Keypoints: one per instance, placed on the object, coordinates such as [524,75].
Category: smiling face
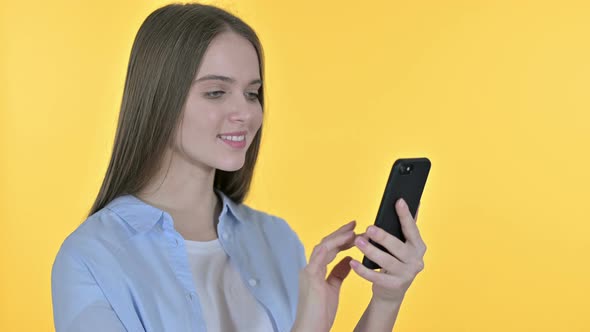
[222,113]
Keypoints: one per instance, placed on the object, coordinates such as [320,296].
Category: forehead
[232,55]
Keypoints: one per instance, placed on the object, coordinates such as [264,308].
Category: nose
[241,110]
[240,114]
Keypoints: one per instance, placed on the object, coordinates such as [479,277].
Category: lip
[237,133]
[234,144]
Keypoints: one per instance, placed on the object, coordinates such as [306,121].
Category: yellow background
[495,93]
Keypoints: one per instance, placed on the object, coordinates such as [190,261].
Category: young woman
[168,244]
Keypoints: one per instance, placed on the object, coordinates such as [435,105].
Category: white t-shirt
[226,302]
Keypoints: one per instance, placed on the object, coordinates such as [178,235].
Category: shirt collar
[143,216]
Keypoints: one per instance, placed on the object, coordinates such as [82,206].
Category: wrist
[385,305]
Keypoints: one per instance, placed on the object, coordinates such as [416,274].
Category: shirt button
[190,296]
[224,236]
[252,282]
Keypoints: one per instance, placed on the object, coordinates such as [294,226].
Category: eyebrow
[224,79]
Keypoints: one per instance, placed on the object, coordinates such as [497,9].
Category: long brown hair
[165,56]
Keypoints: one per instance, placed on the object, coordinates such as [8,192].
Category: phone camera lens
[406,169]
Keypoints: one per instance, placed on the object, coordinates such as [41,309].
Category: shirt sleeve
[295,241]
[78,302]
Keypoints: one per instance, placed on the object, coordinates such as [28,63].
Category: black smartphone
[406,180]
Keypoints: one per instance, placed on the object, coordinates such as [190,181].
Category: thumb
[339,272]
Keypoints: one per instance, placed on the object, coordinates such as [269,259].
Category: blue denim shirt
[125,268]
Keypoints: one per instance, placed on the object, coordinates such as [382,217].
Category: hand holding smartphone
[406,180]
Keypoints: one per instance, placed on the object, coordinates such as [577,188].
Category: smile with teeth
[233,138]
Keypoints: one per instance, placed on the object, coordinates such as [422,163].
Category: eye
[252,96]
[214,94]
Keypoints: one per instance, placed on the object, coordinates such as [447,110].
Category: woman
[168,244]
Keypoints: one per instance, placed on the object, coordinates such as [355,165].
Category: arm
[397,273]
[378,316]
[78,301]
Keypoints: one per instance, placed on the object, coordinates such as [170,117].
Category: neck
[186,193]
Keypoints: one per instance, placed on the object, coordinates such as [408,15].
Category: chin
[230,165]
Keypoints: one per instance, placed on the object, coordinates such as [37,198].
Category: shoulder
[275,230]
[265,221]
[103,232]
[114,225]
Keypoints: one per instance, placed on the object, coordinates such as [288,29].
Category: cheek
[256,121]
[202,120]
[196,130]
[215,119]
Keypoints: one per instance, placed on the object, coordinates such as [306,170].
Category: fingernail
[354,263]
[371,230]
[401,203]
[361,242]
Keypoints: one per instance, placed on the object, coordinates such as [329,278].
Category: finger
[314,252]
[315,260]
[368,274]
[337,244]
[417,210]
[350,244]
[385,260]
[394,245]
[377,278]
[347,245]
[341,239]
[343,229]
[364,236]
[409,227]
[339,272]
[347,227]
